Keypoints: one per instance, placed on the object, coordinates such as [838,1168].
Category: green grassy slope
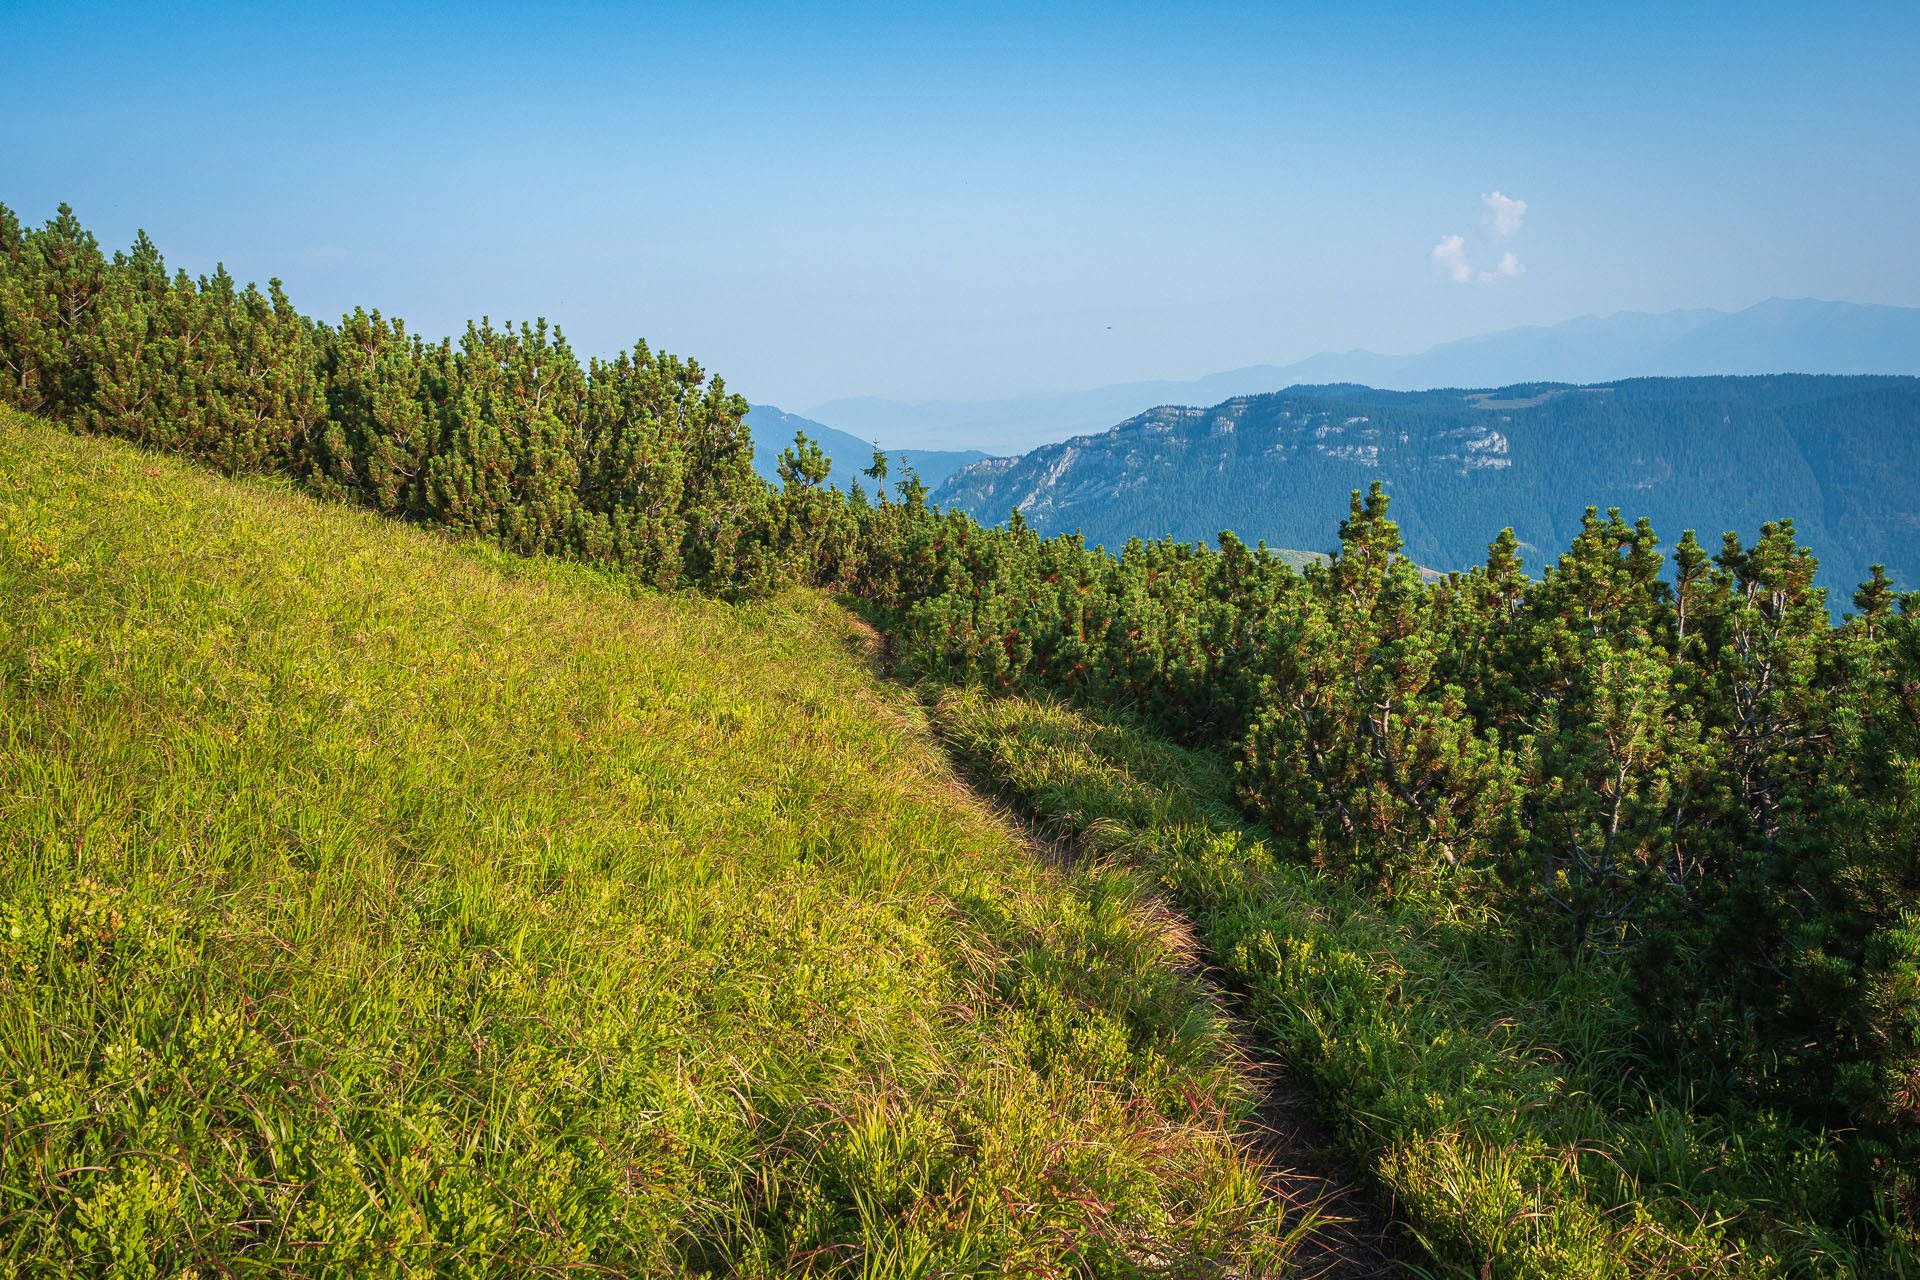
[371,904]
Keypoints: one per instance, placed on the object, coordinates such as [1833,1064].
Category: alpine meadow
[461,819]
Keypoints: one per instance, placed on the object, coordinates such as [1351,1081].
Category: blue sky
[982,200]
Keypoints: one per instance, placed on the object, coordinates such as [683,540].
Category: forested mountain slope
[1839,455]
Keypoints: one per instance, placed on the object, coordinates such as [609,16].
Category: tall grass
[1496,1095]
[376,905]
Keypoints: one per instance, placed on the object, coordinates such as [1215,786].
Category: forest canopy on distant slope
[1842,454]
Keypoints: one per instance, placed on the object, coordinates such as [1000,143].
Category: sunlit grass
[371,904]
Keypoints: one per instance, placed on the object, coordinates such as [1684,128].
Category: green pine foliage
[641,461]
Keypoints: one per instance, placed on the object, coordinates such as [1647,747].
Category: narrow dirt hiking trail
[1353,1235]
[1349,1234]
[1358,1236]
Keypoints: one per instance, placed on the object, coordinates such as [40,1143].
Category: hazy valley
[1776,336]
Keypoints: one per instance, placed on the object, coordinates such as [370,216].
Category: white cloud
[1508,267]
[1504,216]
[1450,255]
[1505,213]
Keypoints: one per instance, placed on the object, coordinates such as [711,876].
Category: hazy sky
[985,200]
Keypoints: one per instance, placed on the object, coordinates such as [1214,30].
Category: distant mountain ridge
[773,432]
[1839,455]
[1777,336]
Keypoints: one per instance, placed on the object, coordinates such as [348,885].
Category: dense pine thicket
[1695,779]
[639,460]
